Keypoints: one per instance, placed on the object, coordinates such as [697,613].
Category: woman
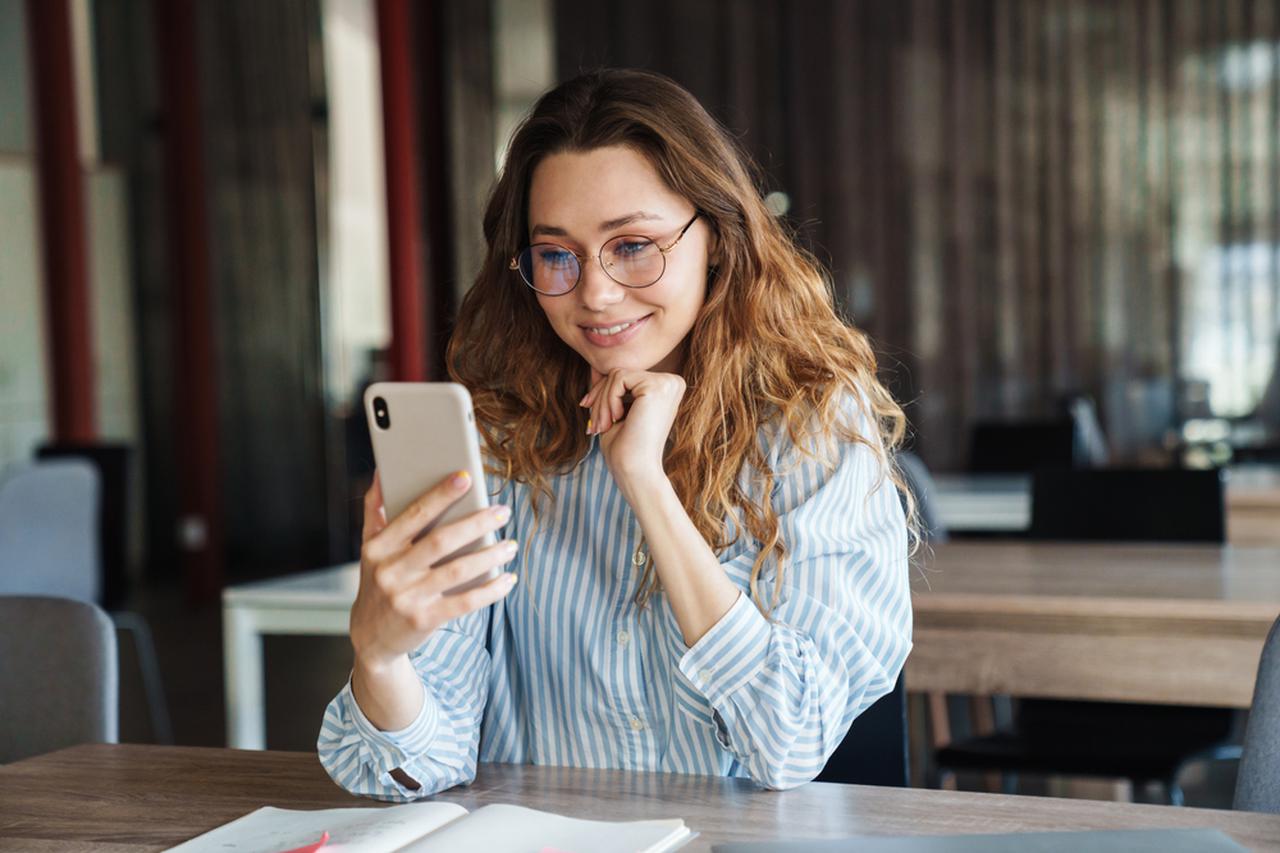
[696,455]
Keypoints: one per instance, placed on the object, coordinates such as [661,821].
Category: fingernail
[502,513]
[588,426]
[512,578]
[460,480]
[511,546]
[583,401]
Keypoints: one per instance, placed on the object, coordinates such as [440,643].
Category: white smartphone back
[423,432]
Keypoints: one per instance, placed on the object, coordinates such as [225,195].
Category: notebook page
[514,829]
[355,830]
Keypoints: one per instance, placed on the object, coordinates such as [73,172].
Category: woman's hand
[632,411]
[401,597]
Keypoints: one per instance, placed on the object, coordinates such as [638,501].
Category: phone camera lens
[381,415]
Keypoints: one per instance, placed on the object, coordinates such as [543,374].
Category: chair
[1019,447]
[58,676]
[1141,742]
[920,482]
[112,464]
[1091,449]
[1258,785]
[48,515]
[1128,505]
[874,751]
[49,545]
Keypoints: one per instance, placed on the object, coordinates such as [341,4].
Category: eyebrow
[637,216]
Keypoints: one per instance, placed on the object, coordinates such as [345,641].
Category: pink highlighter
[310,848]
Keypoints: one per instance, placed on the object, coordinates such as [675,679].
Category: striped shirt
[567,671]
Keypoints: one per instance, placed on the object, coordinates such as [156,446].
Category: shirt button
[637,723]
[623,638]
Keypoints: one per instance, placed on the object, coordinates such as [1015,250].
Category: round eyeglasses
[630,260]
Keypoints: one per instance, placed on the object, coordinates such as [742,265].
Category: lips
[614,332]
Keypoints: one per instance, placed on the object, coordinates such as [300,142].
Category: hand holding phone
[428,553]
[402,599]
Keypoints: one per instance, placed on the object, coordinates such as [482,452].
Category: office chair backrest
[58,676]
[1258,782]
[920,482]
[874,752]
[112,462]
[49,530]
[1128,505]
[1019,447]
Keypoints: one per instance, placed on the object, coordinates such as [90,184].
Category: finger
[443,578]
[375,518]
[597,414]
[593,390]
[448,538]
[616,410]
[426,509]
[599,405]
[482,596]
[611,398]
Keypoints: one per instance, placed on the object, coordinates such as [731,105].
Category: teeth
[612,330]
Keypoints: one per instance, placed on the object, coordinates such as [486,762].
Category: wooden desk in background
[133,798]
[1180,624]
[1253,506]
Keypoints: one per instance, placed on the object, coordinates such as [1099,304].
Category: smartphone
[423,432]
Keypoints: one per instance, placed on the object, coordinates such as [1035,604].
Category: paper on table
[516,829]
[353,830]
[311,848]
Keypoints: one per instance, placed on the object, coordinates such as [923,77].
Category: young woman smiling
[693,449]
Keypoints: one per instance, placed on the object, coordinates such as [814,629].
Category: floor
[303,674]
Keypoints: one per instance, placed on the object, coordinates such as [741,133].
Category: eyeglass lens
[630,261]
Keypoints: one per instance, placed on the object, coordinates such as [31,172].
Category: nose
[597,292]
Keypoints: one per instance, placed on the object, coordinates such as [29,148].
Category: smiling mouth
[607,331]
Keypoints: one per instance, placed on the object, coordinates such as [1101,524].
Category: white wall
[356,304]
[23,373]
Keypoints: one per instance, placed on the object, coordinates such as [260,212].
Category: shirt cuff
[391,749]
[731,653]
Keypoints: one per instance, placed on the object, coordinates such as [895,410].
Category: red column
[409,359]
[62,222]
[195,378]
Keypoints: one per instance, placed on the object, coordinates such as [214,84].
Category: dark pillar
[409,346]
[195,393]
[62,223]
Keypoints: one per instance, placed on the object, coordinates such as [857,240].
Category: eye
[626,249]
[553,258]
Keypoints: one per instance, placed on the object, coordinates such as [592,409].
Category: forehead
[578,190]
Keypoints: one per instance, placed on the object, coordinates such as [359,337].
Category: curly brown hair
[767,346]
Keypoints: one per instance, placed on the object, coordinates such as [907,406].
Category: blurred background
[219,221]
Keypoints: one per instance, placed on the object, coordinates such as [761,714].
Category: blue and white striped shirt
[566,670]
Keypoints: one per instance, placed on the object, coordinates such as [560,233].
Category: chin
[604,362]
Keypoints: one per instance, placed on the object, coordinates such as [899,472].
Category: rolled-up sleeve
[784,692]
[437,750]
[440,748]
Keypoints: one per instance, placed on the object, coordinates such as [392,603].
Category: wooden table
[124,798]
[1142,623]
[1253,506]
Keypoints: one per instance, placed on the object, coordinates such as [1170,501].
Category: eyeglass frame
[583,259]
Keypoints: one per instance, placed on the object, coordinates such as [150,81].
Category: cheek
[553,311]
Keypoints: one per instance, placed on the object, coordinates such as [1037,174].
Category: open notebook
[437,826]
